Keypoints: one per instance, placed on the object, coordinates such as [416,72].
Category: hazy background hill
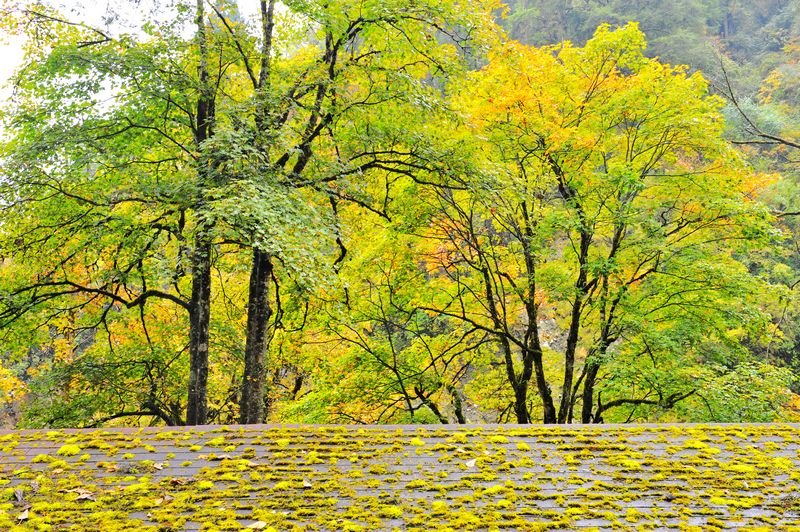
[751,36]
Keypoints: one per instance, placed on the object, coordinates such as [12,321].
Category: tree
[337,210]
[764,126]
[336,113]
[257,138]
[395,363]
[605,199]
[97,195]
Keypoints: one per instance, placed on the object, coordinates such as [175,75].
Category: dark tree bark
[252,404]
[259,312]
[588,392]
[581,289]
[533,356]
[548,407]
[199,318]
[521,403]
[574,329]
[200,305]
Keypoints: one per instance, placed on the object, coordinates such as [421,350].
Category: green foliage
[454,220]
[754,392]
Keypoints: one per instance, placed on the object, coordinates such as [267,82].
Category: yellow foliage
[11,388]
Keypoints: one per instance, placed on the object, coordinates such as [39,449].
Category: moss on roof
[686,477]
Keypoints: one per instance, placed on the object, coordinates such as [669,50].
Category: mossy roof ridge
[464,477]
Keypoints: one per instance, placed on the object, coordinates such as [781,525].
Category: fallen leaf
[307,483]
[471,463]
[19,495]
[23,516]
[83,494]
[158,466]
[258,525]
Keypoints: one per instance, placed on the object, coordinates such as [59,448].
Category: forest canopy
[401,212]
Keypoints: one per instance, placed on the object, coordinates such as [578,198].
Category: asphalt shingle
[675,477]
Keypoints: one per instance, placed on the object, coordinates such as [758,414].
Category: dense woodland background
[402,211]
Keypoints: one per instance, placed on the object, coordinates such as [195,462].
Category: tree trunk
[521,403]
[533,356]
[574,327]
[458,405]
[200,306]
[252,404]
[549,409]
[588,392]
[199,318]
[259,312]
[533,366]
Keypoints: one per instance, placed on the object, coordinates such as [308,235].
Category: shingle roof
[402,477]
